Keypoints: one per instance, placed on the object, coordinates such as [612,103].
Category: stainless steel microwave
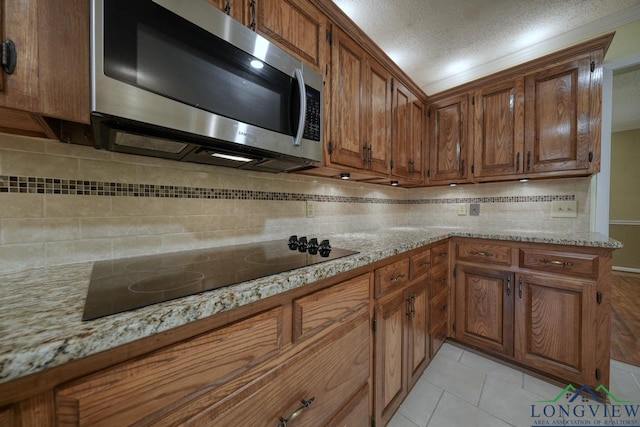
[182,80]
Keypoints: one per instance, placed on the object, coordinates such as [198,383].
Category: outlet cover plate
[310,209]
[462,209]
[564,209]
[474,209]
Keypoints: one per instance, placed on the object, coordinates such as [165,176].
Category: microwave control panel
[312,122]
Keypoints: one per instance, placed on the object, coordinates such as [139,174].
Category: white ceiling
[444,43]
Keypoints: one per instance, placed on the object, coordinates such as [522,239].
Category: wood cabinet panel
[555,327]
[356,413]
[484,304]
[484,252]
[408,134]
[6,417]
[390,385]
[418,333]
[419,265]
[296,26]
[317,311]
[237,9]
[574,264]
[347,73]
[498,129]
[440,254]
[377,117]
[557,118]
[439,310]
[439,281]
[330,372]
[391,277]
[449,139]
[162,380]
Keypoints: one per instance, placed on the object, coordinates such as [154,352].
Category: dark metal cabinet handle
[528,161]
[409,309]
[300,410]
[252,6]
[9,56]
[508,285]
[444,253]
[520,288]
[518,162]
[227,7]
[423,264]
[413,305]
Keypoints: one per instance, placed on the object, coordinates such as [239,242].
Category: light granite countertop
[41,309]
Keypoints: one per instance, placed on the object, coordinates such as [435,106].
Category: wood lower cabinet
[402,341]
[484,308]
[555,321]
[546,307]
[313,346]
[311,387]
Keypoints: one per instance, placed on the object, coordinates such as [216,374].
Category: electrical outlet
[310,208]
[462,209]
[474,209]
[564,209]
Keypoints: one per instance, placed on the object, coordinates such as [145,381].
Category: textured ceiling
[443,43]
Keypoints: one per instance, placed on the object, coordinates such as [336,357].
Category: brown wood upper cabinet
[408,134]
[295,25]
[557,112]
[449,140]
[498,129]
[51,76]
[237,9]
[361,107]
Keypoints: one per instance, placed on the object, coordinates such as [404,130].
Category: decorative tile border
[36,185]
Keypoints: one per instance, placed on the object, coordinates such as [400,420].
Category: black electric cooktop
[125,284]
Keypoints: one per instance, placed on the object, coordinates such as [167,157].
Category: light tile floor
[461,388]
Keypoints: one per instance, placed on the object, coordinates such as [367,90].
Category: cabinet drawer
[331,372]
[391,277]
[439,311]
[319,310]
[439,281]
[419,265]
[440,254]
[147,386]
[576,264]
[485,253]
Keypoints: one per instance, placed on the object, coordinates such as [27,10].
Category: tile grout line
[435,407]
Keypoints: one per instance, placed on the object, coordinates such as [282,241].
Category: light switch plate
[564,209]
[462,209]
[310,209]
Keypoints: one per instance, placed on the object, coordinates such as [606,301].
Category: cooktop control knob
[313,246]
[293,242]
[324,248]
[302,244]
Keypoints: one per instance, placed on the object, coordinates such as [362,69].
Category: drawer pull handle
[424,264]
[443,280]
[561,263]
[443,254]
[487,254]
[398,277]
[300,410]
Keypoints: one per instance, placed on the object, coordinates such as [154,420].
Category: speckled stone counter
[41,309]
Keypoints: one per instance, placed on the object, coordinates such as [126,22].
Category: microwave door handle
[297,74]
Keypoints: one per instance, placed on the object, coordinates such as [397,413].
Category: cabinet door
[390,342]
[555,327]
[557,118]
[418,335]
[499,129]
[376,122]
[347,72]
[237,9]
[484,308]
[448,140]
[294,25]
[408,134]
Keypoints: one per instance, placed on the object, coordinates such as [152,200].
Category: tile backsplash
[62,203]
